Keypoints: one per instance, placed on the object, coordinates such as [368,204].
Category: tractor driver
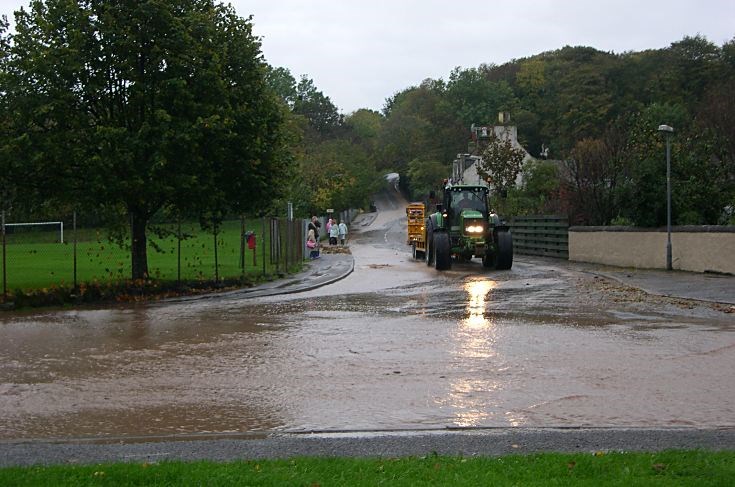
[468,200]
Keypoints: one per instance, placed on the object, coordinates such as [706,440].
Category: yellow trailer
[415,214]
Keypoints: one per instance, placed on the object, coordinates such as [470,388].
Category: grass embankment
[695,468]
[40,268]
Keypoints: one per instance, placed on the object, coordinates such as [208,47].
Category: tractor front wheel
[442,251]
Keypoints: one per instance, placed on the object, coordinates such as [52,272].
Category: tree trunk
[138,246]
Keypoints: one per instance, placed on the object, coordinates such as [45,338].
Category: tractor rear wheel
[488,260]
[442,251]
[504,245]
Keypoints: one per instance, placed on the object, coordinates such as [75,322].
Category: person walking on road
[342,233]
[333,234]
[314,227]
[312,245]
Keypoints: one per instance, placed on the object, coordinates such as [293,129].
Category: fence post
[282,254]
[216,260]
[242,244]
[262,229]
[301,232]
[74,247]
[289,234]
[178,253]
[303,235]
[5,274]
[295,235]
[294,239]
[273,243]
[284,246]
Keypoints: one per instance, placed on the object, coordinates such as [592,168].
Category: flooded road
[394,346]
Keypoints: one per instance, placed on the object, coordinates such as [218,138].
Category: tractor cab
[465,202]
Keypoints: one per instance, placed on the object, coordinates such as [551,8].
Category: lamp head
[666,128]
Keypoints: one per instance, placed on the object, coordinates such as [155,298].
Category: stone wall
[693,248]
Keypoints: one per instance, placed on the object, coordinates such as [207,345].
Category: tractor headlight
[474,229]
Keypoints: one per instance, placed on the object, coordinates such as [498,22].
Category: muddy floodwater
[394,346]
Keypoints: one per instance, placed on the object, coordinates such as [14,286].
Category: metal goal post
[60,224]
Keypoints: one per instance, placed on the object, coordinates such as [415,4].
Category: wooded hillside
[597,113]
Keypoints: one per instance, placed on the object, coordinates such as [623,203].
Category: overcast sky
[360,53]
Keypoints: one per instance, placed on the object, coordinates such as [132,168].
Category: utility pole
[668,130]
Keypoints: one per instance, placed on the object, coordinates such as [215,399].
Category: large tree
[135,106]
[323,116]
[501,163]
[477,100]
[592,174]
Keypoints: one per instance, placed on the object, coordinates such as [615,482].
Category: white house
[464,166]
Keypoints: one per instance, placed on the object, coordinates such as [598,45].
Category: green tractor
[464,227]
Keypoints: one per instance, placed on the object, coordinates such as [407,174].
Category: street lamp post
[668,130]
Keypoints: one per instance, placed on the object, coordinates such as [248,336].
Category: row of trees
[597,113]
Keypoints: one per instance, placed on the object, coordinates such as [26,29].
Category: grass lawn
[37,265]
[695,468]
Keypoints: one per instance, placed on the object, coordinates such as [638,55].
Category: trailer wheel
[504,245]
[420,255]
[429,246]
[442,251]
[417,254]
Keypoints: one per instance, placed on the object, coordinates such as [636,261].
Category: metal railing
[543,235]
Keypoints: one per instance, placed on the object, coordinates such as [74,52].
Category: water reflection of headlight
[478,291]
[472,397]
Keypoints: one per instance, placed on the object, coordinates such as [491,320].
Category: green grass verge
[695,468]
[40,265]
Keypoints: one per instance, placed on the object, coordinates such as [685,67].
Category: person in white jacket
[333,234]
[342,232]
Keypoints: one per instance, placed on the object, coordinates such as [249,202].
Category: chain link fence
[42,256]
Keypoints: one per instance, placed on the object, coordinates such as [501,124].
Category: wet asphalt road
[383,362]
